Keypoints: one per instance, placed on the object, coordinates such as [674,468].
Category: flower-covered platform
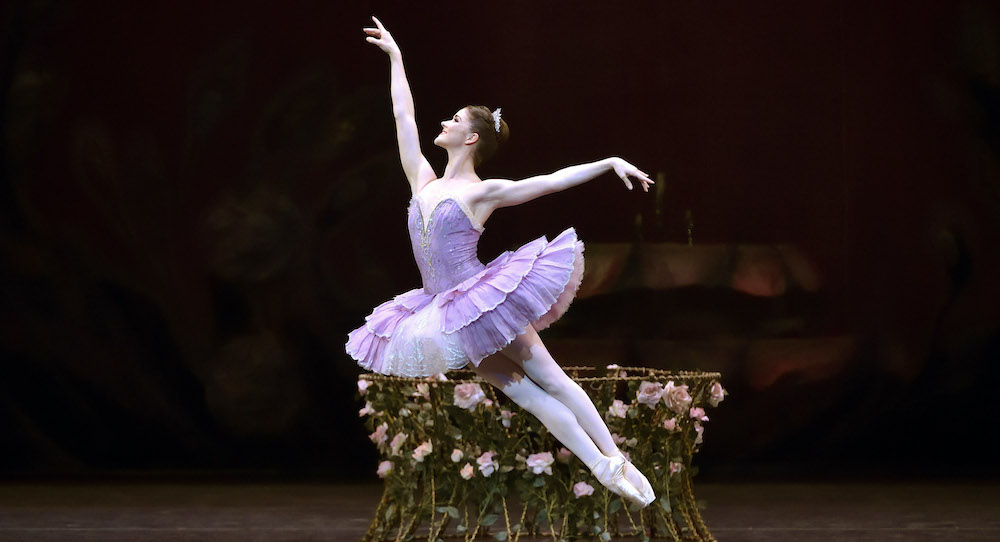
[460,460]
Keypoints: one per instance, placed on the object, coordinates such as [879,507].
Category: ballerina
[487,317]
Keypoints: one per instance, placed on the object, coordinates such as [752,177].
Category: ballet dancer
[487,317]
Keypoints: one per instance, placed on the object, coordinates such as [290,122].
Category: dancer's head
[473,127]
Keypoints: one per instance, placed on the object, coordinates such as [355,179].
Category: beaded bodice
[444,243]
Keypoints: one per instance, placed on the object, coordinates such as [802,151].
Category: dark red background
[199,202]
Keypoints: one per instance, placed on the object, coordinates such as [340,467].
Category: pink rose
[649,393]
[698,413]
[363,386]
[617,439]
[617,408]
[540,462]
[467,471]
[670,424]
[379,436]
[367,410]
[626,454]
[384,468]
[505,416]
[632,442]
[563,455]
[397,441]
[717,394]
[468,395]
[420,452]
[439,377]
[675,467]
[487,465]
[581,489]
[423,390]
[676,397]
[456,455]
[700,431]
[487,402]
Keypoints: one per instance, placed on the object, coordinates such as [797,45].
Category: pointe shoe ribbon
[610,472]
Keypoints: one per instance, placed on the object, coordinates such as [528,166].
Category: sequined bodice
[444,243]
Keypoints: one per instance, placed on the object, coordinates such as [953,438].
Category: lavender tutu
[466,310]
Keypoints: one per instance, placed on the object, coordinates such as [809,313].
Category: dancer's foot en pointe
[611,473]
[637,479]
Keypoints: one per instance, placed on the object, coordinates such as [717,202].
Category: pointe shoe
[610,472]
[637,479]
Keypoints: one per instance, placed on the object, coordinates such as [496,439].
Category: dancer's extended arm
[504,193]
[418,171]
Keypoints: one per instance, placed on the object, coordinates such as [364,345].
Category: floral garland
[453,452]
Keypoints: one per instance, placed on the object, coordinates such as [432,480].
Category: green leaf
[502,535]
[539,482]
[460,528]
[450,510]
[665,503]
[543,516]
[615,506]
[490,519]
[390,511]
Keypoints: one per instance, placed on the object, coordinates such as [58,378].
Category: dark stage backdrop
[200,201]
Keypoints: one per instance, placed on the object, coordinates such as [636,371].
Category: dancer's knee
[536,400]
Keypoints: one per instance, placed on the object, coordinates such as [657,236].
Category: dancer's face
[456,131]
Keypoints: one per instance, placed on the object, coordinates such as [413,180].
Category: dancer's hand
[625,170]
[381,37]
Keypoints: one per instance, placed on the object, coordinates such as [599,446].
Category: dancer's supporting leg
[531,355]
[509,378]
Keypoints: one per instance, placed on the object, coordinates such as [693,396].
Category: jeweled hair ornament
[496,120]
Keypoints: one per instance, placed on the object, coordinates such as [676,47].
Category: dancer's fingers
[378,23]
[373,31]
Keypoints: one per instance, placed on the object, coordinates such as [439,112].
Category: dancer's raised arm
[505,193]
[418,170]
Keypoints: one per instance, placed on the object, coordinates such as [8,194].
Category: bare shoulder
[490,187]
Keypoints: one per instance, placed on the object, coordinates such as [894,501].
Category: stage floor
[254,511]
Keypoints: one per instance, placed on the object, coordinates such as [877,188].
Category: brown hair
[481,119]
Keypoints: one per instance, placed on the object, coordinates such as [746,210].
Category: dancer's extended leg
[509,378]
[531,355]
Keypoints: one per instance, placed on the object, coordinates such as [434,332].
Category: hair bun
[483,122]
[504,133]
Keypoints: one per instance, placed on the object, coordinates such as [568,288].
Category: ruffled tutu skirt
[417,334]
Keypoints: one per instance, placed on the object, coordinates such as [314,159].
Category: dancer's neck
[460,166]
